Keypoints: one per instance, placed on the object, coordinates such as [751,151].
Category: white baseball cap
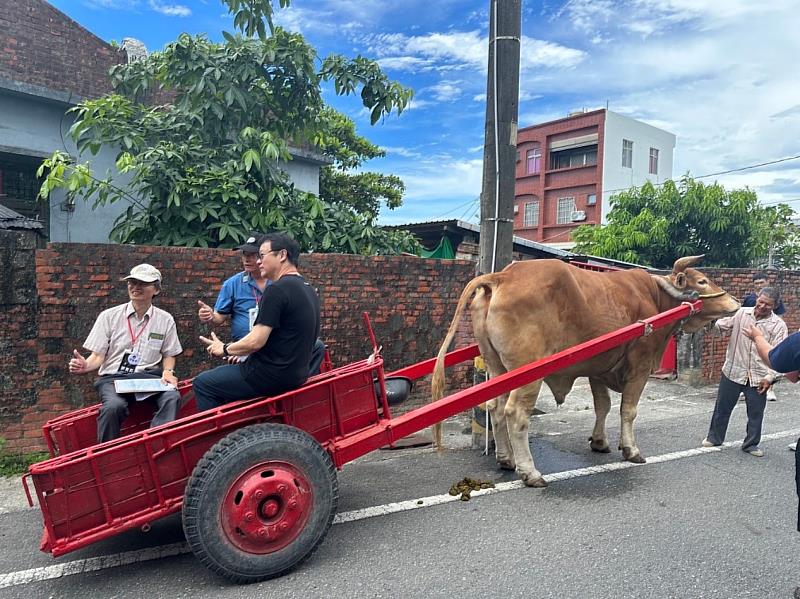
[146,273]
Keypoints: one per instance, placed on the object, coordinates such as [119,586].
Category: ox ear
[682,264]
[667,284]
[679,280]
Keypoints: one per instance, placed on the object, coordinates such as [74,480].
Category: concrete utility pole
[500,145]
[499,160]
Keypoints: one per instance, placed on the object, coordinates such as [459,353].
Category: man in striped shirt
[745,372]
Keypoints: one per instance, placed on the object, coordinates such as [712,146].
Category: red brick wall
[50,297]
[410,301]
[41,46]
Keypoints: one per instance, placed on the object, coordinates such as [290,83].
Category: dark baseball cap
[251,244]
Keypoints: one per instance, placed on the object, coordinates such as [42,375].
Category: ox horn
[670,289]
[682,264]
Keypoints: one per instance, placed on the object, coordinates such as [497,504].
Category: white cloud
[716,74]
[438,187]
[447,91]
[171,10]
[417,103]
[112,4]
[646,18]
[401,151]
[462,50]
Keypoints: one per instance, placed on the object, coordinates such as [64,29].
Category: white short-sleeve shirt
[119,330]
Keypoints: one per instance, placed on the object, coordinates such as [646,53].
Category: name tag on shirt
[252,314]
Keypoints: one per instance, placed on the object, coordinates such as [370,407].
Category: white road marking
[90,565]
[131,557]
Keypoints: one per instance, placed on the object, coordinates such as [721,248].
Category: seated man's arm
[252,342]
[207,314]
[80,365]
[170,348]
[168,371]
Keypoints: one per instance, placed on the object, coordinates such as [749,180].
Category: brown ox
[536,308]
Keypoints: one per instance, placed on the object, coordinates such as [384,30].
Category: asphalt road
[690,523]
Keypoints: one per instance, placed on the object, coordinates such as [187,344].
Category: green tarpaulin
[442,251]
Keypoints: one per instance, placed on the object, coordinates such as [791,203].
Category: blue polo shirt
[238,295]
[785,357]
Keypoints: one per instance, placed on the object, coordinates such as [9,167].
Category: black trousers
[727,396]
[114,408]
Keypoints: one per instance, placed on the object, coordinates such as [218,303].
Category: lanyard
[142,327]
[256,295]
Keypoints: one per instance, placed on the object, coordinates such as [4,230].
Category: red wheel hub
[266,507]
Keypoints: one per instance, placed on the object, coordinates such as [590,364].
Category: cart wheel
[260,502]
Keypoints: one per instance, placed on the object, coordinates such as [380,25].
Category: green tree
[364,191]
[777,238]
[204,164]
[656,225]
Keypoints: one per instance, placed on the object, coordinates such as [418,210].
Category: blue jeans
[221,385]
[727,396]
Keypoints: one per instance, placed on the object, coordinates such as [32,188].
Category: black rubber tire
[220,467]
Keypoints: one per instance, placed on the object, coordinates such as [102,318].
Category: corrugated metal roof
[10,219]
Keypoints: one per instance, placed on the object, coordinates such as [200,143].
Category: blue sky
[720,74]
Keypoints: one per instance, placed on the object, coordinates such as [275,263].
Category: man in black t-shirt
[280,343]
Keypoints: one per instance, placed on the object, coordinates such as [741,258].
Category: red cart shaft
[387,432]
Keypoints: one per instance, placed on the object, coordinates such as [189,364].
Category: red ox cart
[255,480]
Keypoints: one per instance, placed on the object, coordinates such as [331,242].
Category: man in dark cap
[238,302]
[238,299]
[280,346]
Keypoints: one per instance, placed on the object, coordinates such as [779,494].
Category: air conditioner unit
[516,209]
[578,215]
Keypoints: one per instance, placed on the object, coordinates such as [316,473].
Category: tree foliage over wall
[656,225]
[205,166]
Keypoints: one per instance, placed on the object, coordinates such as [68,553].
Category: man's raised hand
[204,312]
[214,345]
[77,364]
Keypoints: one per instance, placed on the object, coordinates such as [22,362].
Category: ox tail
[438,379]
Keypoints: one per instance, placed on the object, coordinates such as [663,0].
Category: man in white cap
[132,340]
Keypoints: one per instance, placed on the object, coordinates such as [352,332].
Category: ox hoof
[599,446]
[506,464]
[630,456]
[538,483]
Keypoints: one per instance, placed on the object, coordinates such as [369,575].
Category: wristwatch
[225,349]
[172,370]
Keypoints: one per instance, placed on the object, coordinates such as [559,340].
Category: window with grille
[653,161]
[627,153]
[19,186]
[530,218]
[584,156]
[534,161]
[566,206]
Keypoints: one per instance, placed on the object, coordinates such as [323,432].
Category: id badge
[252,314]
[128,363]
